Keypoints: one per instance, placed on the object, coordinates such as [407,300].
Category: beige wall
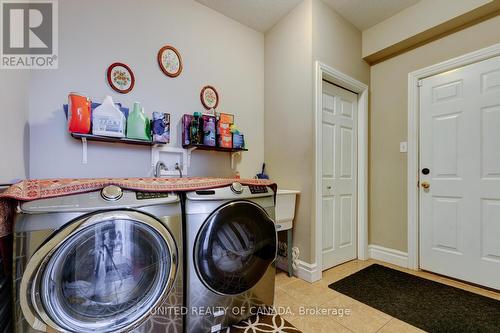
[288,118]
[422,16]
[337,43]
[215,50]
[14,132]
[310,32]
[388,125]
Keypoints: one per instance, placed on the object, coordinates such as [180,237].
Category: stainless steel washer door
[106,275]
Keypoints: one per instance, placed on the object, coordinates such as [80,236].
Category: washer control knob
[111,193]
[237,188]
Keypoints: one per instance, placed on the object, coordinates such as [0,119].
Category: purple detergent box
[161,127]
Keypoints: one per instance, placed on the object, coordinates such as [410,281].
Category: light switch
[403,147]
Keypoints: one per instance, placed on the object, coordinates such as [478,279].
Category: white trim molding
[323,71]
[390,256]
[307,272]
[413,137]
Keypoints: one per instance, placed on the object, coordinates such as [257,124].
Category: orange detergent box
[223,128]
[226,118]
[225,141]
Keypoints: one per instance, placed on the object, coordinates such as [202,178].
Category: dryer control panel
[257,189]
[150,195]
[231,192]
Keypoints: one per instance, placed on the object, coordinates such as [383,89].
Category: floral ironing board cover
[28,190]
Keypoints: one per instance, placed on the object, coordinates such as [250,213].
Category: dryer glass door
[108,275]
[234,247]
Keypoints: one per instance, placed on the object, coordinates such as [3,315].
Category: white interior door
[339,157]
[460,145]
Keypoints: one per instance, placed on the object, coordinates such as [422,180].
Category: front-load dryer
[104,261]
[231,246]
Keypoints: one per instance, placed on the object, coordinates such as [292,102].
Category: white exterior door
[339,161]
[460,145]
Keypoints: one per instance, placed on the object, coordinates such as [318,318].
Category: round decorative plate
[120,77]
[170,61]
[209,97]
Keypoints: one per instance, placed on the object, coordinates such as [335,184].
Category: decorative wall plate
[120,77]
[209,97]
[170,61]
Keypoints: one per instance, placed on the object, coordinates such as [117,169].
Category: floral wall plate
[209,97]
[120,77]
[170,61]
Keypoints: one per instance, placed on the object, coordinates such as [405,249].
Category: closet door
[339,194]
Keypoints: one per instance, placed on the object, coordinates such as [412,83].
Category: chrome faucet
[178,168]
[159,167]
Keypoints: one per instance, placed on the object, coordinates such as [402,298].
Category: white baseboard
[307,272]
[312,273]
[390,256]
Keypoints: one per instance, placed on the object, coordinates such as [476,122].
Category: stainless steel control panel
[107,198]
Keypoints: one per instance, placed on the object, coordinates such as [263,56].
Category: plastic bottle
[78,113]
[209,131]
[194,130]
[108,120]
[138,125]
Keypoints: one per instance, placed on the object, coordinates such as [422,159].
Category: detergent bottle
[79,113]
[138,125]
[195,134]
[108,120]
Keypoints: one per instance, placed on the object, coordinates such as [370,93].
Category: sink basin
[285,208]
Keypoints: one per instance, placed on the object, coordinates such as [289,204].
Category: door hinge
[420,83]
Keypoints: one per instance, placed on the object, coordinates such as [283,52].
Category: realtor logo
[29,34]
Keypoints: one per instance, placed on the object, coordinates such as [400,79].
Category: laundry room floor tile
[339,272]
[282,299]
[319,324]
[309,294]
[282,278]
[398,326]
[296,293]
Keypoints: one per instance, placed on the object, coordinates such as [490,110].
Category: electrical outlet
[403,147]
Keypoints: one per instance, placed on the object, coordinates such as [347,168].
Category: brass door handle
[425,185]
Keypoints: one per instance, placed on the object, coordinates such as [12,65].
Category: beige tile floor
[295,294]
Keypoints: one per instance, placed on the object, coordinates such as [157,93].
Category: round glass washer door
[234,247]
[108,275]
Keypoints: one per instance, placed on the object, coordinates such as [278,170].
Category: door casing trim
[323,71]
[413,137]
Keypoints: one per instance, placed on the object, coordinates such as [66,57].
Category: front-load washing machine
[231,246]
[104,261]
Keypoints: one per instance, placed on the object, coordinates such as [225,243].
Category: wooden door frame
[413,138]
[330,74]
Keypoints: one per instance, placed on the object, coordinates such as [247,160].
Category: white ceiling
[260,15]
[364,14]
